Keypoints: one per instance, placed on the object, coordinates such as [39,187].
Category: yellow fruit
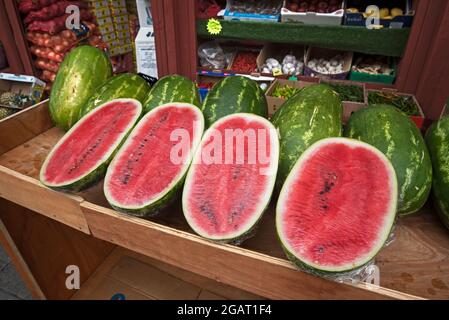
[388,18]
[352,10]
[370,10]
[396,12]
[384,12]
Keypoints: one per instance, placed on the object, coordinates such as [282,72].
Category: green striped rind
[312,114]
[168,195]
[83,70]
[437,139]
[173,88]
[97,173]
[234,94]
[125,85]
[399,139]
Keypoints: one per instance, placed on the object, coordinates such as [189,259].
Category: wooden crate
[414,266]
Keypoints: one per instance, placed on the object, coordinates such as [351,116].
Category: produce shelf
[415,265]
[388,42]
[127,275]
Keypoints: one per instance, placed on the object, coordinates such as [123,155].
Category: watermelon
[337,206]
[150,167]
[83,70]
[232,177]
[234,94]
[81,157]
[437,139]
[125,85]
[312,114]
[393,133]
[172,88]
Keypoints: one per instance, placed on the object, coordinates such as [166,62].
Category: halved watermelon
[337,206]
[150,166]
[232,177]
[81,157]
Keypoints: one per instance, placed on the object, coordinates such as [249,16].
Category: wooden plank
[20,264]
[30,194]
[251,271]
[23,126]
[48,247]
[139,277]
[19,173]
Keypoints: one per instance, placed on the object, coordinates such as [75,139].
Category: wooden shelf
[126,275]
[388,42]
[415,265]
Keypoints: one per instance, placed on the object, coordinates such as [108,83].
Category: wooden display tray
[126,275]
[415,265]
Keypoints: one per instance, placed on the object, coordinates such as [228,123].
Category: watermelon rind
[83,70]
[126,85]
[310,115]
[97,173]
[172,88]
[310,266]
[237,237]
[234,94]
[169,194]
[437,139]
[393,133]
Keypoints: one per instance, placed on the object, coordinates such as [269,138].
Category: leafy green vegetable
[348,92]
[404,103]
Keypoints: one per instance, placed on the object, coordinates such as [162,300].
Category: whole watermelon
[231,95]
[310,115]
[437,139]
[125,85]
[173,88]
[83,70]
[393,133]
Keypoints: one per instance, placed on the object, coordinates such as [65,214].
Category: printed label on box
[106,28]
[109,37]
[117,3]
[100,13]
[118,11]
[121,19]
[97,4]
[104,20]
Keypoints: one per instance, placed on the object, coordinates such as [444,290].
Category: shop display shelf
[126,275]
[388,42]
[414,266]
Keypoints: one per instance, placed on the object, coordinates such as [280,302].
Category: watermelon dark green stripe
[234,94]
[399,139]
[125,85]
[437,139]
[173,88]
[83,70]
[312,114]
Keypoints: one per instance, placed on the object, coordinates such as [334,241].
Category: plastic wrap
[212,56]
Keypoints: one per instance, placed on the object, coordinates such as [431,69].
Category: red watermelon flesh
[143,171]
[89,144]
[338,205]
[223,200]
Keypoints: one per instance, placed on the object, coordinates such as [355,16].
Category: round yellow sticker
[214,26]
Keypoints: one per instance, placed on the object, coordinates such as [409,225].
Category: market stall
[123,251]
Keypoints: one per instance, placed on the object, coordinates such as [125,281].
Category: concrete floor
[11,285]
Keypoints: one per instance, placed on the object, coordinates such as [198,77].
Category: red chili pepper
[245,62]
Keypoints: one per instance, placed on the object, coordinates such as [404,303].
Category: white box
[146,52]
[144,12]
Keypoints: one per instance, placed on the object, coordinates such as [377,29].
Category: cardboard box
[120,19]
[97,4]
[398,22]
[349,107]
[334,18]
[104,20]
[231,14]
[106,28]
[318,53]
[101,12]
[278,52]
[274,102]
[146,52]
[419,120]
[26,85]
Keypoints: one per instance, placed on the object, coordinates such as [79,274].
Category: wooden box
[414,266]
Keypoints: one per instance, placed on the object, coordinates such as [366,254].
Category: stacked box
[120,19]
